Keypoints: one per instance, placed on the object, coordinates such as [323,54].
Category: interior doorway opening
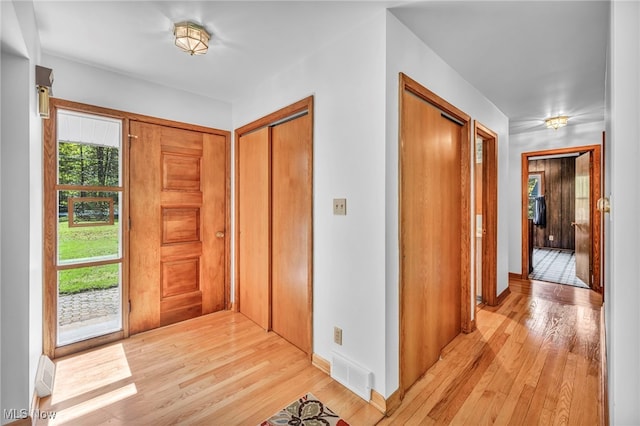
[485,208]
[561,227]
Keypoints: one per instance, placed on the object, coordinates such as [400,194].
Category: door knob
[219,234]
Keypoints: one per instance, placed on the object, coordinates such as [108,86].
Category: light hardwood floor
[533,360]
[218,369]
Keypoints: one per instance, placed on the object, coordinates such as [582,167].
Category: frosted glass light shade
[191,38]
[556,122]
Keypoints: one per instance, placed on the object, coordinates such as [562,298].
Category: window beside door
[88,259]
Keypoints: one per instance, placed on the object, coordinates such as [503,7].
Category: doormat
[306,411]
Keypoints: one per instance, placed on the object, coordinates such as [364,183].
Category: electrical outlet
[340,206]
[550,237]
[337,335]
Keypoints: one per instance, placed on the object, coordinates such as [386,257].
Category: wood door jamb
[489,211]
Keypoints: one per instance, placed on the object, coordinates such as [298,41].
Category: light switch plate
[340,206]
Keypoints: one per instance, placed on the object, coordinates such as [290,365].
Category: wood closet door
[178,217]
[291,231]
[254,226]
[430,235]
[274,217]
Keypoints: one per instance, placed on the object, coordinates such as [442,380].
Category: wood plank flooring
[219,369]
[533,360]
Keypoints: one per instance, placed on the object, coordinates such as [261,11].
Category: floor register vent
[351,375]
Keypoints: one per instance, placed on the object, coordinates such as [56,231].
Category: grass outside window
[75,243]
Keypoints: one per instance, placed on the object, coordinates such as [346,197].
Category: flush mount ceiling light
[191,38]
[556,122]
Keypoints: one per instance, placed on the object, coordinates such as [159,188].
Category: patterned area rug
[555,266]
[306,411]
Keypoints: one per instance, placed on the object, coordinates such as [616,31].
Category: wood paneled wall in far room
[559,189]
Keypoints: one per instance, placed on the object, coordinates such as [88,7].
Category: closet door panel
[291,231]
[431,236]
[253,224]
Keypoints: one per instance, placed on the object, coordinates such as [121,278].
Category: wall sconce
[191,38]
[44,81]
[556,122]
[603,205]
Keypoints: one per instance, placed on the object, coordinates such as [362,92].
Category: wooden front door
[583,217]
[177,226]
[434,233]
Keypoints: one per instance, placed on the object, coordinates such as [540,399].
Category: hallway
[535,359]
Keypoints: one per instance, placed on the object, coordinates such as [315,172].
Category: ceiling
[532,59]
[250,40]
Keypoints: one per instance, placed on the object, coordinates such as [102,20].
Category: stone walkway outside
[88,305]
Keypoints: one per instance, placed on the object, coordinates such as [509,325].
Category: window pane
[534,186]
[91,278]
[94,231]
[88,149]
[88,302]
[531,207]
[88,165]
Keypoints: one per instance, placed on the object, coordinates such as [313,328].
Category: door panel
[431,202]
[177,199]
[253,224]
[291,231]
[180,276]
[583,218]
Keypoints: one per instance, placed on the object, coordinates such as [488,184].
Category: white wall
[15,232]
[622,296]
[83,83]
[3,12]
[541,140]
[1,126]
[21,210]
[406,53]
[346,78]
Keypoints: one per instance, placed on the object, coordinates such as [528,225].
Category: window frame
[52,265]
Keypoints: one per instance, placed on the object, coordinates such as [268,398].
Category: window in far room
[535,189]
